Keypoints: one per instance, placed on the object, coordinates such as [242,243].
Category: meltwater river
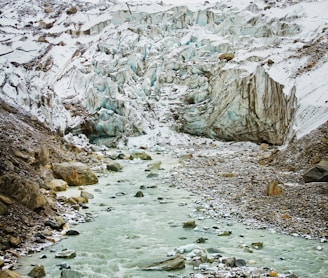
[129,232]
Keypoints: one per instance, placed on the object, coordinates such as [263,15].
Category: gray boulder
[174,263]
[318,173]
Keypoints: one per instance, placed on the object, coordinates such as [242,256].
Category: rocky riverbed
[258,185]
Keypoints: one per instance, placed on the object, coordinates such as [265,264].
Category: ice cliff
[252,70]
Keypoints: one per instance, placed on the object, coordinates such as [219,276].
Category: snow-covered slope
[115,69]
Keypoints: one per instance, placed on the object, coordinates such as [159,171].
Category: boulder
[75,173]
[56,185]
[8,274]
[66,254]
[37,272]
[174,263]
[227,56]
[115,167]
[140,155]
[22,190]
[318,173]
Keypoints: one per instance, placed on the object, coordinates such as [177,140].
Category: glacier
[120,69]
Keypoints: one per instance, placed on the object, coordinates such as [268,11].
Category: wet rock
[174,263]
[72,233]
[257,245]
[63,265]
[319,173]
[115,167]
[53,225]
[66,254]
[273,189]
[152,175]
[140,155]
[8,274]
[139,194]
[75,173]
[225,233]
[56,185]
[189,224]
[67,273]
[37,272]
[22,190]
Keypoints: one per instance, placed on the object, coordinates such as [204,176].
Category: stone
[225,233]
[139,194]
[66,254]
[75,173]
[71,10]
[6,273]
[37,272]
[56,185]
[140,155]
[227,56]
[174,263]
[154,166]
[257,245]
[22,190]
[67,273]
[115,167]
[318,173]
[189,224]
[230,262]
[3,209]
[72,233]
[273,189]
[14,241]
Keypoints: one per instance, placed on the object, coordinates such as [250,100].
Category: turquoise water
[129,232]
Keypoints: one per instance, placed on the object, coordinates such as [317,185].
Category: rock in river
[37,272]
[66,254]
[174,263]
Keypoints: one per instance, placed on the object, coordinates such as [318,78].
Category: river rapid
[129,232]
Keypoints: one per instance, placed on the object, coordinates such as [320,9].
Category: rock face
[22,190]
[75,173]
[319,173]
